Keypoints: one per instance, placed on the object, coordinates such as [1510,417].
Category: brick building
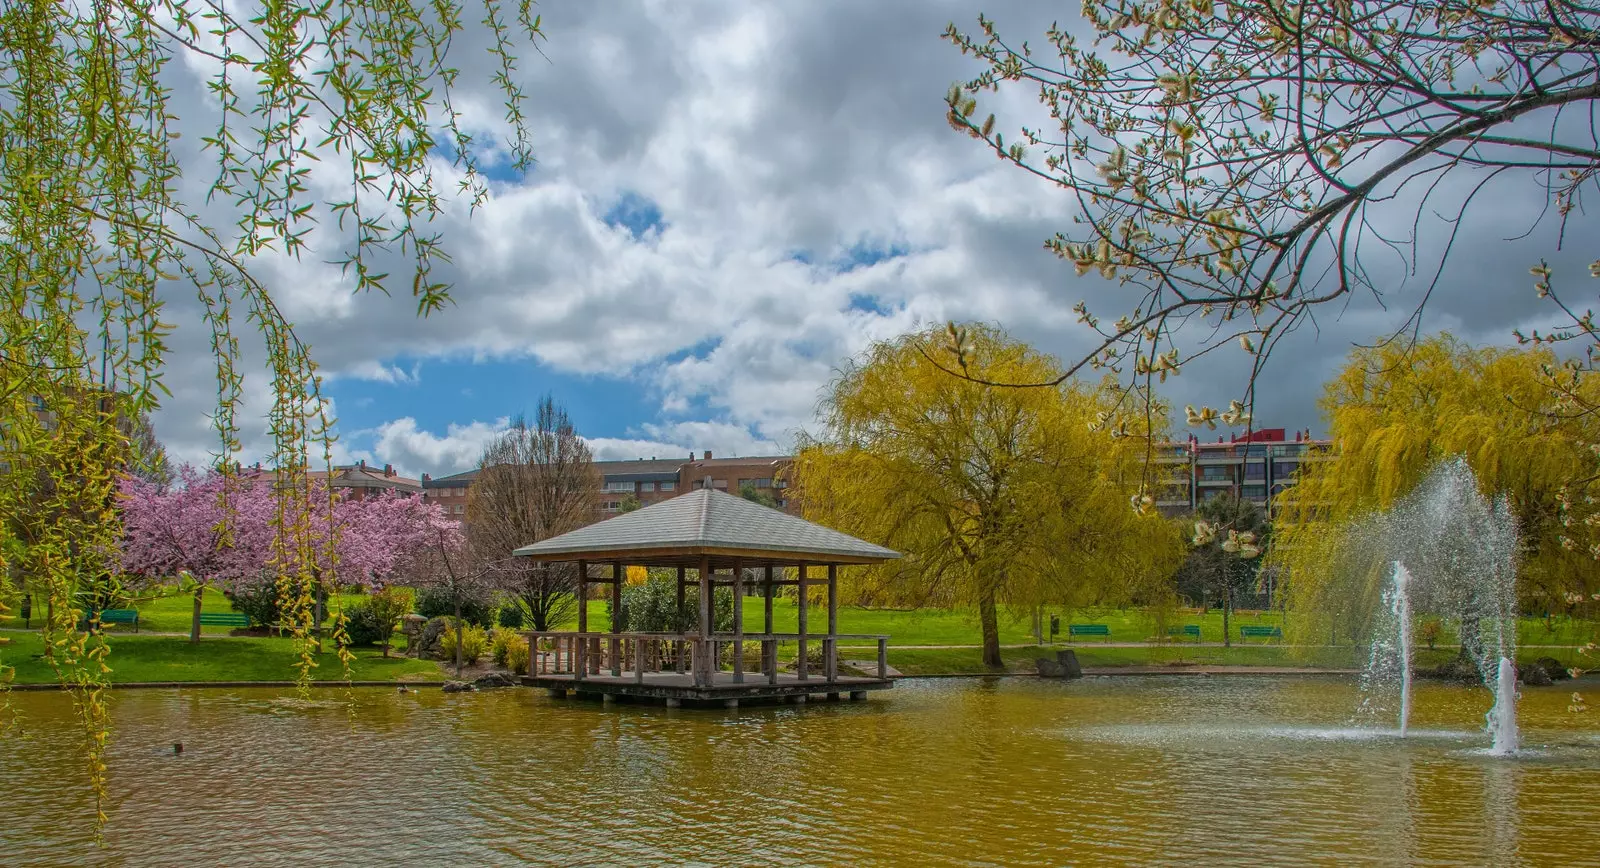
[651,480]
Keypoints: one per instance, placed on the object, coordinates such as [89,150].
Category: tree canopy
[1396,414]
[159,151]
[535,481]
[995,495]
[1239,164]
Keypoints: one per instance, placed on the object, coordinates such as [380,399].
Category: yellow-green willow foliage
[1394,415]
[995,495]
[106,213]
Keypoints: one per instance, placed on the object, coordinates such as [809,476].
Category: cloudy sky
[732,198]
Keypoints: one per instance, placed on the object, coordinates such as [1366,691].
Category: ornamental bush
[651,607]
[517,654]
[362,624]
[437,602]
[510,616]
[260,602]
[474,642]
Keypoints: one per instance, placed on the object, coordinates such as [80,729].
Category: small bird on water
[177,748]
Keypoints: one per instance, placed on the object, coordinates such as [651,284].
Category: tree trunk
[1227,609]
[194,623]
[458,635]
[991,631]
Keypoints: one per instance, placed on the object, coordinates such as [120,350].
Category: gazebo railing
[585,654]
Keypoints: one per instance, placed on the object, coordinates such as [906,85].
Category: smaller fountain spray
[1502,718]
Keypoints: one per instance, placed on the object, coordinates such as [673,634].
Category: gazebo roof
[707,523]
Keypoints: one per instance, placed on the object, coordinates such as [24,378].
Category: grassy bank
[968,661]
[168,658]
[164,611]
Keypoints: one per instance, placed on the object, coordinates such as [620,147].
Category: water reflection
[1103,771]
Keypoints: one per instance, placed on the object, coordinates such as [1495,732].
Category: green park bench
[112,616]
[1260,633]
[224,619]
[1191,631]
[1074,630]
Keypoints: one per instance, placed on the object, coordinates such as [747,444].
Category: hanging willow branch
[102,224]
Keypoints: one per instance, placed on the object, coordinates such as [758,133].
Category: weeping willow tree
[1395,415]
[320,132]
[995,495]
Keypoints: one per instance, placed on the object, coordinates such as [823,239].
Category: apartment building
[359,481]
[650,480]
[1254,467]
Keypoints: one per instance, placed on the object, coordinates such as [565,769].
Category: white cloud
[761,133]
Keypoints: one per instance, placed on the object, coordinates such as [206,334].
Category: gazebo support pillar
[702,653]
[738,622]
[580,665]
[681,650]
[616,618]
[831,663]
[801,663]
[769,647]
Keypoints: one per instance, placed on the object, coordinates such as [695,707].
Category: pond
[959,771]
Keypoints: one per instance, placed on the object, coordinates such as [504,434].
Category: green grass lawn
[166,611]
[170,658]
[960,626]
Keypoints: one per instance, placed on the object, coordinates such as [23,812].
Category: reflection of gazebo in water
[720,537]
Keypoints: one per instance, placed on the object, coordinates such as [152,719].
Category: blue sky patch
[636,214]
[462,391]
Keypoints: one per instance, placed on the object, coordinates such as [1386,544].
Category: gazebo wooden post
[681,648]
[832,663]
[680,651]
[803,604]
[702,654]
[738,621]
[616,618]
[769,646]
[580,666]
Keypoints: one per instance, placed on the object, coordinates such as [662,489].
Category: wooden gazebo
[721,538]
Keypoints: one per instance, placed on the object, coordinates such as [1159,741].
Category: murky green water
[961,772]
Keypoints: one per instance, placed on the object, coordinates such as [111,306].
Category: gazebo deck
[675,687]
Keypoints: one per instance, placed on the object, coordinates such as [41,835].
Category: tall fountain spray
[1402,615]
[1450,552]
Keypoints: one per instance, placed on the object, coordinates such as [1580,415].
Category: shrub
[388,606]
[510,616]
[500,639]
[651,607]
[259,602]
[474,642]
[362,624]
[436,602]
[517,654]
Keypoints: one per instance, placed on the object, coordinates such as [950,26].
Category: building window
[1255,470]
[719,483]
[667,486]
[647,486]
[611,506]
[458,509]
[761,483]
[1282,469]
[1214,474]
[618,486]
